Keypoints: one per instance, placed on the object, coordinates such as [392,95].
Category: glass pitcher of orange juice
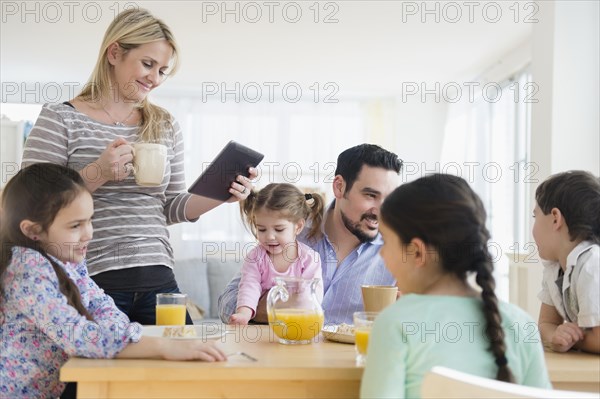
[294,312]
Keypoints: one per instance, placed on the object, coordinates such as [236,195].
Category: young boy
[567,233]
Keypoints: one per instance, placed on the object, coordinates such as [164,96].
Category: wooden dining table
[575,371]
[322,369]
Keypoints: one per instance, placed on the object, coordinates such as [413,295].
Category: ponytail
[247,211]
[493,330]
[316,215]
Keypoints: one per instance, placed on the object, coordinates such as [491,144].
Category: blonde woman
[130,256]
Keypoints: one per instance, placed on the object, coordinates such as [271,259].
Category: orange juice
[362,340]
[170,315]
[296,324]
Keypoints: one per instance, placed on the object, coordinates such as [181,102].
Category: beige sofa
[203,280]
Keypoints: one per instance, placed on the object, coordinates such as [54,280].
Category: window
[486,142]
[301,142]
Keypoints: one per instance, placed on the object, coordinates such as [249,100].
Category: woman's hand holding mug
[114,160]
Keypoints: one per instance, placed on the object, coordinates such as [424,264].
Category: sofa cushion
[220,272]
[191,276]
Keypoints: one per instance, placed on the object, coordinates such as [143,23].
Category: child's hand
[242,316]
[193,349]
[239,319]
[565,336]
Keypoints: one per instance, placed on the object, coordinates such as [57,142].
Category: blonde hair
[289,201]
[130,29]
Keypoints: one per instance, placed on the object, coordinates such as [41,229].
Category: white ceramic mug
[149,161]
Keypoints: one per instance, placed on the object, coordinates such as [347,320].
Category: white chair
[442,382]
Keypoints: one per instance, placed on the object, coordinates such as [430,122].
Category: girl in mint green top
[434,237]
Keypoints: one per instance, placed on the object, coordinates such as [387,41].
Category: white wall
[576,116]
[371,47]
[419,136]
[566,121]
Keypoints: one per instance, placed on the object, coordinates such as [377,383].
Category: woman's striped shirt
[130,221]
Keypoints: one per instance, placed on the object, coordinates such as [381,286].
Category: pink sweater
[258,273]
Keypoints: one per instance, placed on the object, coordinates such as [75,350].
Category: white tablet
[233,160]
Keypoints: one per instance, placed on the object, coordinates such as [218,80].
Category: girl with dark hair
[276,215]
[434,238]
[50,308]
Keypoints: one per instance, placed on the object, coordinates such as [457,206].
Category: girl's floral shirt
[39,330]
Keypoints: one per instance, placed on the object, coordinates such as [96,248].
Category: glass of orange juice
[363,322]
[170,309]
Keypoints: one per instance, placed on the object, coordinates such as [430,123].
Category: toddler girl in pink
[276,215]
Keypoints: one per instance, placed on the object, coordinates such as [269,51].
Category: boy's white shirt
[580,299]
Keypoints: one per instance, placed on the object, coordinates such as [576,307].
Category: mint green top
[419,332]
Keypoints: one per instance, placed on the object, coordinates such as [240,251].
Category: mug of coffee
[378,297]
[149,161]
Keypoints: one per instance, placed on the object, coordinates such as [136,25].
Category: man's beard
[355,229]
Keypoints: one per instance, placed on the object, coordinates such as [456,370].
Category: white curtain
[485,142]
